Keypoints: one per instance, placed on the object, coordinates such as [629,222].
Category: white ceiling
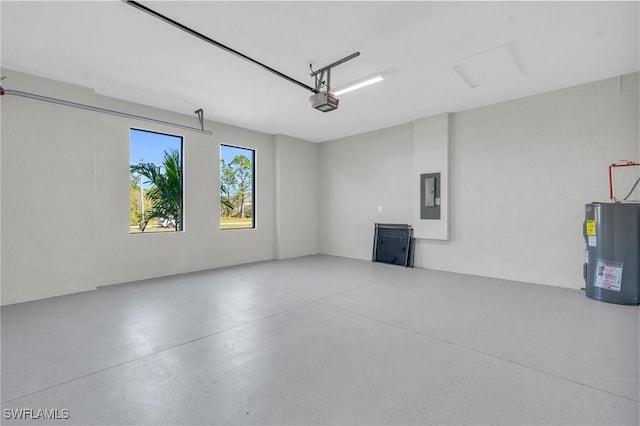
[125,53]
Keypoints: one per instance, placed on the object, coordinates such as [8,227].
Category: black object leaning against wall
[394,244]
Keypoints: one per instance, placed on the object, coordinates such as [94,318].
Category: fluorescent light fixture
[359,85]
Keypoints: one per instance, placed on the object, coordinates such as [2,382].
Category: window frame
[182,177]
[253,186]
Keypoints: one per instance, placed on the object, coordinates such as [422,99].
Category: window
[155,182]
[237,182]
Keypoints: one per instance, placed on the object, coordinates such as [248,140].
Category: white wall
[65,195]
[48,205]
[125,257]
[296,221]
[520,174]
[364,179]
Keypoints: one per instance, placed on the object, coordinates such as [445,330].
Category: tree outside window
[155,182]
[237,174]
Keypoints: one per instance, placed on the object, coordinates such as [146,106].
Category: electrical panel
[430,196]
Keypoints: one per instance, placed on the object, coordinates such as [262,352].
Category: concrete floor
[323,340]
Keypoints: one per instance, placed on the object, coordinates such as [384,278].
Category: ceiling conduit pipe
[34,96]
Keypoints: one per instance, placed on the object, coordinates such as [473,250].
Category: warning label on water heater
[608,275]
[591,228]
